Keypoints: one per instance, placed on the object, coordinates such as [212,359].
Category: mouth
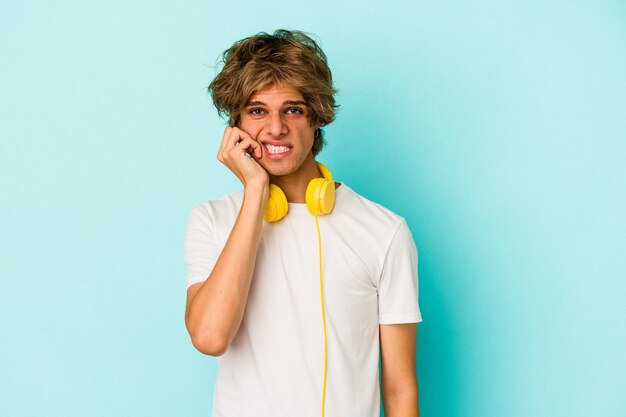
[276,151]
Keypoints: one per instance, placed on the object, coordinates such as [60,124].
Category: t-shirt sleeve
[201,247]
[398,285]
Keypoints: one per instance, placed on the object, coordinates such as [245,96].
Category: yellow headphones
[320,197]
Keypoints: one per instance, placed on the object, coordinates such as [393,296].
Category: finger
[240,135]
[257,151]
[230,140]
[225,138]
[247,146]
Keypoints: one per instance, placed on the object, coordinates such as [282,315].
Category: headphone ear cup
[320,196]
[277,206]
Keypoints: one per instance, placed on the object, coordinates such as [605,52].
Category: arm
[215,307]
[398,344]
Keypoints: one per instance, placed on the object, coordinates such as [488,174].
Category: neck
[294,185]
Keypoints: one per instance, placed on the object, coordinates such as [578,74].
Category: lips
[275,151]
[272,149]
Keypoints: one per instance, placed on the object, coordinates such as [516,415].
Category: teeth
[276,149]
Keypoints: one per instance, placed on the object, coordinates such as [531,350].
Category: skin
[278,116]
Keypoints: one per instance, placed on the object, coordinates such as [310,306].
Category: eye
[256,111]
[294,110]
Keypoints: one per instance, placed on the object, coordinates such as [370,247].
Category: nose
[276,125]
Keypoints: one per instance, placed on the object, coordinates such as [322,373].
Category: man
[299,323]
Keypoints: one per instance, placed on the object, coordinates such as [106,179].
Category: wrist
[257,189]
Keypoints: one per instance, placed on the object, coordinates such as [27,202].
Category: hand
[238,152]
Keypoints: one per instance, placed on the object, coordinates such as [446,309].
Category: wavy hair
[260,61]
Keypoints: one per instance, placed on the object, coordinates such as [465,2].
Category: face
[277,117]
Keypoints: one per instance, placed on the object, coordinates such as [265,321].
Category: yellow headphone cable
[319,246]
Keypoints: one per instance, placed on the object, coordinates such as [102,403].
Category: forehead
[277,94]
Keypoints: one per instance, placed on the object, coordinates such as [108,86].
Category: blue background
[496,128]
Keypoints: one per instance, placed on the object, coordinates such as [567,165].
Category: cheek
[251,128]
[305,132]
[308,136]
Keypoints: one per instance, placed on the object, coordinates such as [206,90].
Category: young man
[299,323]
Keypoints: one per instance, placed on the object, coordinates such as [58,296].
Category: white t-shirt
[274,366]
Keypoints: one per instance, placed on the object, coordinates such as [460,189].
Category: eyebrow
[285,103]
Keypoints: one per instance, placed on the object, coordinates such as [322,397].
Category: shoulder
[232,200]
[369,221]
[218,211]
[358,205]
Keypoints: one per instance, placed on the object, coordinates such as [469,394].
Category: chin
[280,169]
[280,172]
